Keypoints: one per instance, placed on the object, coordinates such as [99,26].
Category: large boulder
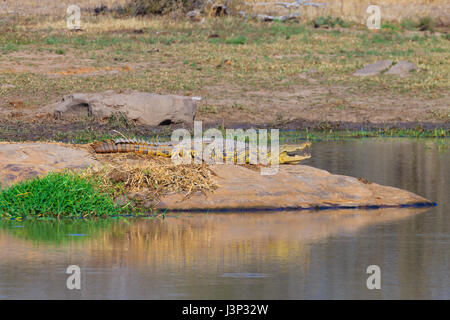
[293,187]
[374,68]
[20,161]
[144,108]
[402,68]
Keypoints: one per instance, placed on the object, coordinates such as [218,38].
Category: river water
[284,255]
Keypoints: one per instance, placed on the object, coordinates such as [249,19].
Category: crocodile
[287,154]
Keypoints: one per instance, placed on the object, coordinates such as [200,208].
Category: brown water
[288,255]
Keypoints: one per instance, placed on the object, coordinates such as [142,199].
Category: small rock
[402,68]
[374,68]
[266,18]
[194,15]
[7,86]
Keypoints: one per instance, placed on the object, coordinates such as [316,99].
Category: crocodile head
[293,154]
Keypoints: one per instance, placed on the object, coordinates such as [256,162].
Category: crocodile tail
[121,145]
[105,147]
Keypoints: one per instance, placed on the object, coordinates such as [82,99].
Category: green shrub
[56,194]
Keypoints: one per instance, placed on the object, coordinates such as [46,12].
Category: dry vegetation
[144,179]
[247,72]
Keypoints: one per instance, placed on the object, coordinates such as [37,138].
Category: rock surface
[293,187]
[240,188]
[27,160]
[402,68]
[374,68]
[145,108]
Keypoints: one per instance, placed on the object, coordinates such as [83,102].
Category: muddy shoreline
[86,131]
[303,124]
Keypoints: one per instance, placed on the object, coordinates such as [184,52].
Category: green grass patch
[9,47]
[54,195]
[390,26]
[237,40]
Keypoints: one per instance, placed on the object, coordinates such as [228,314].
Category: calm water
[289,255]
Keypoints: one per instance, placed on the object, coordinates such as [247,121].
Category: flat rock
[20,161]
[293,187]
[143,107]
[402,68]
[374,68]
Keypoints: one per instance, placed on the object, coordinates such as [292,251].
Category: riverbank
[283,75]
[83,132]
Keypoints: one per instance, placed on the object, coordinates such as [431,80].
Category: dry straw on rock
[147,178]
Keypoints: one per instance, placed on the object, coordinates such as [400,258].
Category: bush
[144,7]
[426,24]
[408,24]
[342,23]
[389,26]
[329,22]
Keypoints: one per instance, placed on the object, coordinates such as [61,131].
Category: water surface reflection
[284,255]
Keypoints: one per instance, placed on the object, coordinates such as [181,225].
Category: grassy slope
[165,56]
[261,54]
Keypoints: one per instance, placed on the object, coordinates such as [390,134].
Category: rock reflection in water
[211,240]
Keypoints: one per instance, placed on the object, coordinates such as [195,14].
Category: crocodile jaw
[294,154]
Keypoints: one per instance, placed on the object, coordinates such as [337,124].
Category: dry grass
[264,67]
[355,10]
[144,179]
[52,7]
